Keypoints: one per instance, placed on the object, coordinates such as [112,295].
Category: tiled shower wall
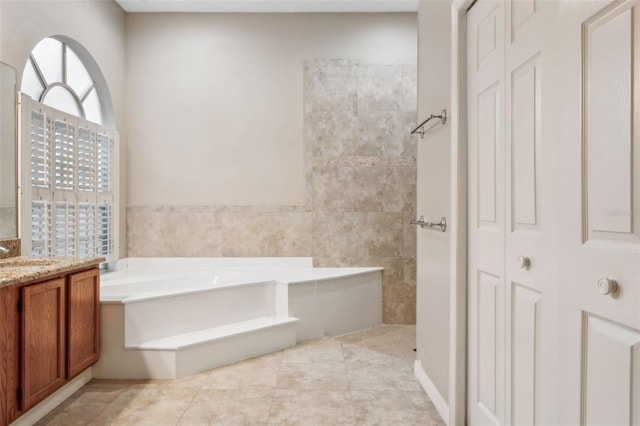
[360,187]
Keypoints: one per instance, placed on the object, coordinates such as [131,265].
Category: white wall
[99,26]
[215,102]
[433,199]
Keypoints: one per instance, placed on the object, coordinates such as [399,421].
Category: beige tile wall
[361,187]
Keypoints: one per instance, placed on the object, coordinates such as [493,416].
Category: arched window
[70,202]
[55,76]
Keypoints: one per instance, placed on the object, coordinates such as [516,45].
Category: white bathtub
[135,279]
[163,317]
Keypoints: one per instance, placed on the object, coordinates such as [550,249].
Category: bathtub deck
[163,318]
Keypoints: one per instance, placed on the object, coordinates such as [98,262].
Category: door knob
[606,286]
[524,262]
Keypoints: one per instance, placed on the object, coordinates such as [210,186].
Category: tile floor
[364,378]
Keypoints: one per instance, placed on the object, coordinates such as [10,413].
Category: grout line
[194,397]
[275,386]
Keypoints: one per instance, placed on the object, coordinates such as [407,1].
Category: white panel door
[554,212]
[598,212]
[512,300]
[486,226]
[531,293]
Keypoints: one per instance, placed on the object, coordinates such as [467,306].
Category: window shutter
[40,151]
[105,160]
[40,228]
[86,229]
[106,226]
[86,159]
[72,180]
[105,229]
[65,163]
[65,228]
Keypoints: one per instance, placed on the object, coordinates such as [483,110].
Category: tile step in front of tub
[194,352]
[186,340]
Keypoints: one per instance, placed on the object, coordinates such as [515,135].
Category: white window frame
[73,197]
[79,98]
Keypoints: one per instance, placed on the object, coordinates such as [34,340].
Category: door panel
[603,328]
[83,343]
[43,337]
[611,372]
[525,141]
[488,36]
[530,297]
[525,339]
[521,11]
[609,137]
[487,330]
[487,147]
[486,291]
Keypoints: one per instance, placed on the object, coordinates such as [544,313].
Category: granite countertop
[21,269]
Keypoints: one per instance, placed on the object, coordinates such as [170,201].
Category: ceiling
[268,6]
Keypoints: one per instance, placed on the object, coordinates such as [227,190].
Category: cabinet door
[9,335]
[43,340]
[84,313]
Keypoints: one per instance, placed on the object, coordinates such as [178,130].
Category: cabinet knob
[607,286]
[524,262]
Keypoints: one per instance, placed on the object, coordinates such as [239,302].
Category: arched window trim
[98,83]
[71,91]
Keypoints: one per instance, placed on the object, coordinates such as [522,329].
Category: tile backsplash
[360,187]
[13,245]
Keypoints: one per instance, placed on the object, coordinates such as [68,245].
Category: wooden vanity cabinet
[83,339]
[43,327]
[49,334]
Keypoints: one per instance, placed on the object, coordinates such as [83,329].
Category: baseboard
[432,392]
[58,397]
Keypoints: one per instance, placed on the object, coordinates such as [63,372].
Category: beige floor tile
[313,376]
[311,408]
[317,350]
[139,406]
[83,406]
[396,340]
[392,408]
[355,354]
[365,378]
[395,375]
[255,373]
[229,407]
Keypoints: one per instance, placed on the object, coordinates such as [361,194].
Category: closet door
[513,292]
[486,220]
[597,170]
[554,219]
[531,296]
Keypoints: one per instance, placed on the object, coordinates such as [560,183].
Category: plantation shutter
[64,192]
[41,228]
[86,159]
[41,175]
[65,228]
[71,194]
[86,229]
[105,228]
